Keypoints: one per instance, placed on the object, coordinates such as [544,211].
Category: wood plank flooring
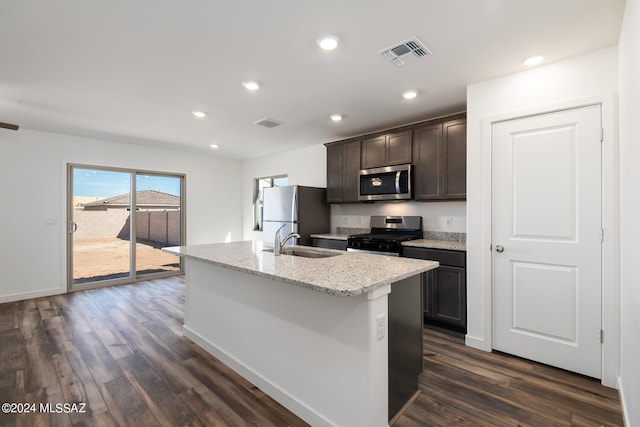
[120,350]
[462,386]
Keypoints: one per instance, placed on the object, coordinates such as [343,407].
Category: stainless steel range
[387,235]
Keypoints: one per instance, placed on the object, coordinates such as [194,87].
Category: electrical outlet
[50,221]
[448,222]
[380,326]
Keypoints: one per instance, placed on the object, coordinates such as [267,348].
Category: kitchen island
[316,334]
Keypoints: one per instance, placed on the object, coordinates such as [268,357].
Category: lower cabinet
[444,289]
[320,242]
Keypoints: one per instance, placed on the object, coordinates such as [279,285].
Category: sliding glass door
[118,221]
[157,223]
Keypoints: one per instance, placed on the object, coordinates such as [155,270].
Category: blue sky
[99,183]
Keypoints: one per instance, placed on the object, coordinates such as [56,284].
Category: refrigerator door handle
[294,205]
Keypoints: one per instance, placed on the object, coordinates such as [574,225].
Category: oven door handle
[398,182]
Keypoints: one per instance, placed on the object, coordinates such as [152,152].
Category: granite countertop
[431,242]
[346,274]
[452,245]
[332,236]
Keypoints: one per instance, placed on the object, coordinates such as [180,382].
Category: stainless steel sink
[304,252]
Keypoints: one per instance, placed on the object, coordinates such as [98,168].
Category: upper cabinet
[437,149]
[440,161]
[427,157]
[343,165]
[386,150]
[454,161]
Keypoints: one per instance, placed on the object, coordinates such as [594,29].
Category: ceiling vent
[407,51]
[268,123]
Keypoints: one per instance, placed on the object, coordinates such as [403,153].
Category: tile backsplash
[443,217]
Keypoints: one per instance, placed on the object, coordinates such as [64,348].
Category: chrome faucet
[277,244]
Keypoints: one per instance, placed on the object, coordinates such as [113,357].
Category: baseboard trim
[476,343]
[285,399]
[33,294]
[623,403]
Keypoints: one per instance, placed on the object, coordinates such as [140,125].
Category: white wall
[589,75]
[305,166]
[33,175]
[629,209]
[434,214]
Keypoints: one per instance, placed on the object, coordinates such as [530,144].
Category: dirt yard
[107,258]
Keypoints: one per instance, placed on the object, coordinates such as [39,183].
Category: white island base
[319,355]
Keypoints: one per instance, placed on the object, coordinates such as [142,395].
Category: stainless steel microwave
[386,183]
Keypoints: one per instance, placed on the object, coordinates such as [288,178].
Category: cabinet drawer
[329,243]
[443,256]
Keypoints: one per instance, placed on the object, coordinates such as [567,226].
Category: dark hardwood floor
[120,351]
[462,386]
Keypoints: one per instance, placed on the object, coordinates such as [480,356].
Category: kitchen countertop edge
[248,259]
[453,245]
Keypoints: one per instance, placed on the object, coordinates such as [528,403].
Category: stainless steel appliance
[299,209]
[386,183]
[387,235]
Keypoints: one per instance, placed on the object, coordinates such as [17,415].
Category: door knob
[499,248]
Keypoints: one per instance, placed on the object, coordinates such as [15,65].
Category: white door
[546,238]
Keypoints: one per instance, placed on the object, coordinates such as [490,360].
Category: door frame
[610,213]
[134,277]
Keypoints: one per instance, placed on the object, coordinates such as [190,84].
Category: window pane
[280,182]
[101,226]
[157,222]
[260,184]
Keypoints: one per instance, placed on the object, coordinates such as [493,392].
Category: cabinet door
[427,297]
[399,148]
[427,154]
[335,161]
[454,182]
[351,168]
[374,152]
[449,296]
[343,165]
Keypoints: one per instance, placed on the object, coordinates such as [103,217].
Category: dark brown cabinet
[440,161]
[437,149]
[427,155]
[444,288]
[320,242]
[343,165]
[386,150]
[454,159]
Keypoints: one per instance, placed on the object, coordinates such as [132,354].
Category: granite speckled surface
[429,242]
[452,245]
[331,236]
[346,274]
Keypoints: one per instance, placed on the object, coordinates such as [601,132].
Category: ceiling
[133,71]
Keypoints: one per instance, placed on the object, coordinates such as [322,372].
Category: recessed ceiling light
[214,146]
[533,60]
[251,85]
[336,117]
[199,114]
[328,42]
[409,94]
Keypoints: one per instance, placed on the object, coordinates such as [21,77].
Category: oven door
[387,183]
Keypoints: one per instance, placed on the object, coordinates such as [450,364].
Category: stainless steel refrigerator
[302,210]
